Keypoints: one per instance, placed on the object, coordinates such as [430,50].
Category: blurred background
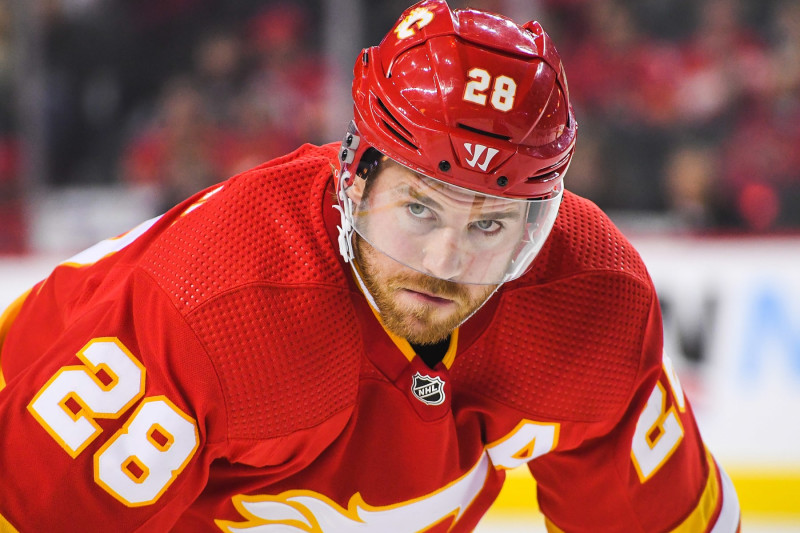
[689,113]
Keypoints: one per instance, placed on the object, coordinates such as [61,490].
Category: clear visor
[449,232]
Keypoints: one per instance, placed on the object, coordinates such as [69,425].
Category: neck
[432,354]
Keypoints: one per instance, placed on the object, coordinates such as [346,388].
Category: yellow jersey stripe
[10,314]
[405,347]
[6,319]
[6,527]
[699,519]
[763,493]
[551,527]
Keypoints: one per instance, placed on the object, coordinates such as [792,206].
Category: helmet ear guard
[350,144]
[347,154]
[353,150]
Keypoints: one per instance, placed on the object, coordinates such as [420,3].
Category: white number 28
[145,456]
[503,91]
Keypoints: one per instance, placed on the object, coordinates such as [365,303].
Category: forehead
[397,180]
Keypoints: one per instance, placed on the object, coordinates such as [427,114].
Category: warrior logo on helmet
[477,153]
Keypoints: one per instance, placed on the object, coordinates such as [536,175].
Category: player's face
[420,308]
[446,234]
[439,229]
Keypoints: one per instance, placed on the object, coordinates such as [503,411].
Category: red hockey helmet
[477,108]
[469,98]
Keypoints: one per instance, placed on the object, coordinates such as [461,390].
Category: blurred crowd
[688,110]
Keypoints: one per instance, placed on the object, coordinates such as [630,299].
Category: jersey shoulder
[585,240]
[580,326]
[262,226]
[252,268]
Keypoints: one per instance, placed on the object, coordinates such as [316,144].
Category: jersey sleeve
[647,470]
[110,414]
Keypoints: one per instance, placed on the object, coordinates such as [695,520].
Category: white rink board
[742,299]
[18,274]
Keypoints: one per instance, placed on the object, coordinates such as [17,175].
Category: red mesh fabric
[584,239]
[281,371]
[573,338]
[568,364]
[369,370]
[255,229]
[241,268]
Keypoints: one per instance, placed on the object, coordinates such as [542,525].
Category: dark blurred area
[689,111]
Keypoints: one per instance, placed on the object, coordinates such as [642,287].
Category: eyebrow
[423,199]
[489,215]
[501,215]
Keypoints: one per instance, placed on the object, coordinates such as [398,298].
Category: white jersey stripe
[728,520]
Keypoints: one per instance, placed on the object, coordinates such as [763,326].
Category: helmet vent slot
[553,171]
[547,176]
[398,135]
[395,127]
[484,132]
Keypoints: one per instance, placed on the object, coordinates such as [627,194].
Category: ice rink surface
[515,526]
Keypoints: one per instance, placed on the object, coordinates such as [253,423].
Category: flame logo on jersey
[304,511]
[429,390]
[310,512]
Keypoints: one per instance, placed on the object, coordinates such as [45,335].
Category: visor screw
[444,166]
[502,181]
[349,139]
[344,155]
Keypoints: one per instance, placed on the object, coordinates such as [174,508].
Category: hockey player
[365,337]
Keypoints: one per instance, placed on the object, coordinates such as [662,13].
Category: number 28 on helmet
[477,108]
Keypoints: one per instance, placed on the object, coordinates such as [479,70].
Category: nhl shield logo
[427,389]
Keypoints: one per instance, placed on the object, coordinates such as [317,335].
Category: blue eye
[418,210]
[488,226]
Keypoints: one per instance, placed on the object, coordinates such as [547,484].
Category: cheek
[478,294]
[374,264]
[385,232]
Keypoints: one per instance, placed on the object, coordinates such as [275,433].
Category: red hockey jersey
[217,369]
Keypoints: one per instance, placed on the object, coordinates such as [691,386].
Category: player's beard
[418,323]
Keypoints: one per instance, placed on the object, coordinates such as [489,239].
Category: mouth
[427,298]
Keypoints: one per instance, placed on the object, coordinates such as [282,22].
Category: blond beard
[401,319]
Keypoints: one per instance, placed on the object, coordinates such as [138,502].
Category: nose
[442,256]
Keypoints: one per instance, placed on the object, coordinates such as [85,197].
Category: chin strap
[347,154]
[346,230]
[364,289]
[345,208]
